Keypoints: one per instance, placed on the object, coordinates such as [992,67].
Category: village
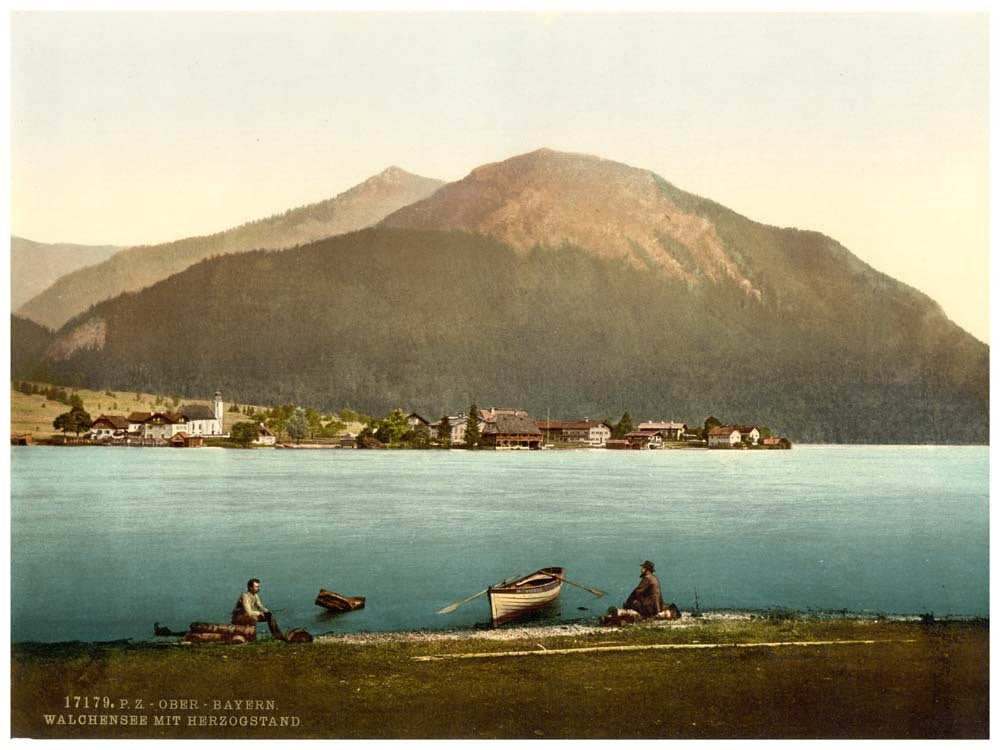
[198,425]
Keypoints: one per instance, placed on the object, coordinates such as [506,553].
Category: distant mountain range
[137,267]
[565,284]
[35,266]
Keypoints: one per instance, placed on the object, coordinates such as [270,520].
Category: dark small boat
[337,603]
[509,601]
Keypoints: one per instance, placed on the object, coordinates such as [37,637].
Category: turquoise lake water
[105,541]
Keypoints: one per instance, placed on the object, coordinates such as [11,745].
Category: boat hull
[525,595]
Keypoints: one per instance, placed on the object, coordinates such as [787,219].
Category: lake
[105,541]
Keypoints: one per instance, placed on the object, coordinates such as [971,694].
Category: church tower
[217,405]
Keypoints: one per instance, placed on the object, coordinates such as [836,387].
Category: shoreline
[575,629]
[55,441]
[572,628]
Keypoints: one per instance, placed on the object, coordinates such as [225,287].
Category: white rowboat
[508,601]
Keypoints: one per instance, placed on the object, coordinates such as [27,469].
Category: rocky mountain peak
[606,208]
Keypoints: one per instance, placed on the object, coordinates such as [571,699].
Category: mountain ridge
[452,310]
[35,266]
[133,268]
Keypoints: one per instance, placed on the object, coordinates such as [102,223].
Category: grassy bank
[859,679]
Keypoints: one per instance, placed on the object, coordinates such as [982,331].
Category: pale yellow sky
[132,128]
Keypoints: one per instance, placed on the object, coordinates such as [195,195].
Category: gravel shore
[517,633]
[589,627]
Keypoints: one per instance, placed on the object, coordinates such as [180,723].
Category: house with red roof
[724,436]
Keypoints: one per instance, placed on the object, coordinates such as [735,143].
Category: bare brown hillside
[548,197]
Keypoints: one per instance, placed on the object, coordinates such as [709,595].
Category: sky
[143,127]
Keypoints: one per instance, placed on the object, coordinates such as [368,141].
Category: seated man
[645,598]
[250,610]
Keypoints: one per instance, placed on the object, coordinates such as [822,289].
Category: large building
[511,432]
[583,432]
[458,422]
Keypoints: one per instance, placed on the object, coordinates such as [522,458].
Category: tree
[391,429]
[366,438]
[277,424]
[332,428]
[472,434]
[444,432]
[709,424]
[244,433]
[75,401]
[315,420]
[623,428]
[75,420]
[298,425]
[349,415]
[419,436]
[283,412]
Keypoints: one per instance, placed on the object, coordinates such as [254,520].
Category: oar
[456,605]
[595,592]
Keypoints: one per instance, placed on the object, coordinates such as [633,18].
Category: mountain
[573,308]
[614,211]
[800,279]
[137,267]
[28,342]
[35,266]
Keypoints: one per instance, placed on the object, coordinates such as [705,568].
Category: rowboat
[510,600]
[338,603]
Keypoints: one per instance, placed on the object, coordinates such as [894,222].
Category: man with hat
[645,598]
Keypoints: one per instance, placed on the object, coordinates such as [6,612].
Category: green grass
[918,681]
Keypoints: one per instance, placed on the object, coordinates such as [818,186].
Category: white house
[598,433]
[264,436]
[413,419]
[137,422]
[163,425]
[724,436]
[108,428]
[749,433]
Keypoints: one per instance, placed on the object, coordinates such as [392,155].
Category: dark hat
[649,566]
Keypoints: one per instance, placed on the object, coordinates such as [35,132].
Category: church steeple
[217,407]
